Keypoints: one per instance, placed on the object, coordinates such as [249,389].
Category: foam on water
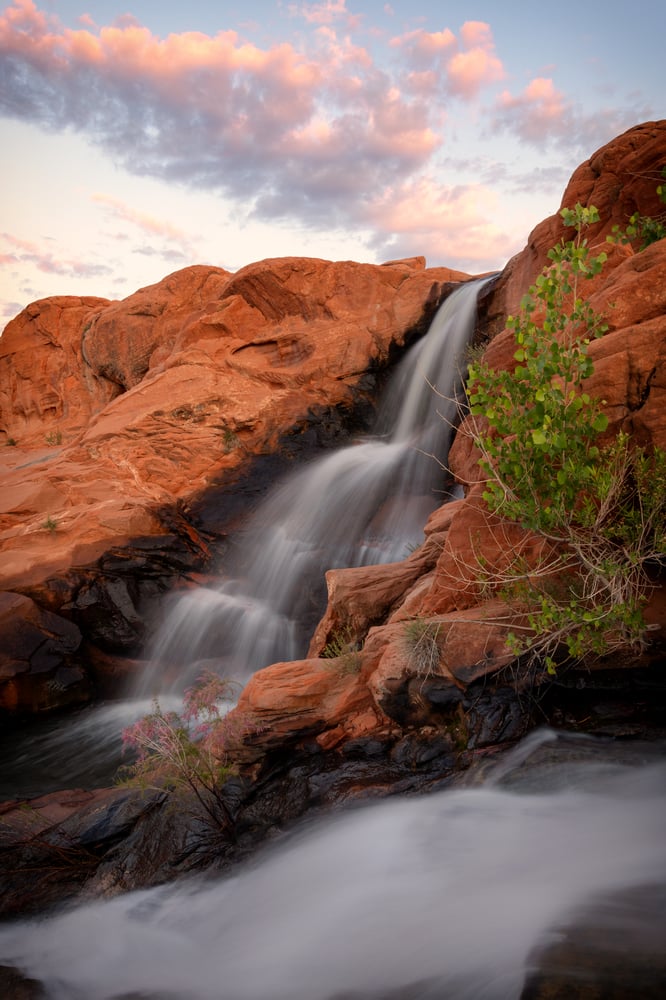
[366,503]
[443,896]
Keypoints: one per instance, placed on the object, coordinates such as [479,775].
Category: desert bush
[188,751]
[600,506]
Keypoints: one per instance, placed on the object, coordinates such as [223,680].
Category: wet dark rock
[222,508]
[595,958]
[38,669]
[15,986]
[52,846]
[495,716]
[107,612]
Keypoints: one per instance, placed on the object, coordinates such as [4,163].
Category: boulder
[619,179]
[47,392]
[37,666]
[199,373]
[319,698]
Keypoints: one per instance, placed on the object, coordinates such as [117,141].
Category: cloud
[49,261]
[538,113]
[541,114]
[316,132]
[147,223]
[8,310]
[321,13]
[172,256]
[445,223]
[299,133]
[461,66]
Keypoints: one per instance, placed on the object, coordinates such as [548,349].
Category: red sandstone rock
[216,367]
[46,389]
[120,341]
[308,698]
[619,179]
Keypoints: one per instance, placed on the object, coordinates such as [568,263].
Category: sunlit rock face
[116,415]
[619,179]
[178,385]
[413,680]
[178,388]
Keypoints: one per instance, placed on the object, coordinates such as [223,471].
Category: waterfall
[449,896]
[366,503]
[361,504]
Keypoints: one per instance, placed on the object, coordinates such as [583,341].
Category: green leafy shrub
[53,438]
[643,229]
[601,508]
[50,524]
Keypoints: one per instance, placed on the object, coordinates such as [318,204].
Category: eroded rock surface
[422,681]
[135,409]
[433,634]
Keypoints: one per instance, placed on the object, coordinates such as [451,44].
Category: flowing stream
[445,897]
[366,503]
[453,896]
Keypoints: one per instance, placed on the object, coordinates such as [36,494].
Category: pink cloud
[49,262]
[197,108]
[538,113]
[472,70]
[322,13]
[446,223]
[477,34]
[148,223]
[463,65]
[422,47]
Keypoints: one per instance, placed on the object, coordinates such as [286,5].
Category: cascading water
[366,503]
[449,897]
[455,896]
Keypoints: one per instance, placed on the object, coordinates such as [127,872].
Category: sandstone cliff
[124,412]
[154,405]
[443,683]
[117,415]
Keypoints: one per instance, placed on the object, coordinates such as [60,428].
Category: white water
[366,503]
[453,892]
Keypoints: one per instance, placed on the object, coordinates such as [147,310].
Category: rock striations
[124,421]
[434,671]
[116,415]
[124,413]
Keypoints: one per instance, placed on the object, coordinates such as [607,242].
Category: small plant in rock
[600,508]
[188,752]
[53,438]
[50,524]
[343,647]
[230,440]
[421,641]
[643,229]
[11,442]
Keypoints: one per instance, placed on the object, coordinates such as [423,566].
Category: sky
[142,136]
